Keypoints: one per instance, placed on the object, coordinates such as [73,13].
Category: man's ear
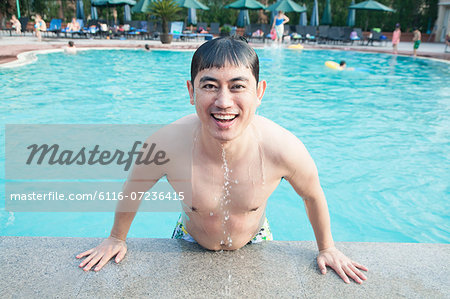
[260,90]
[190,87]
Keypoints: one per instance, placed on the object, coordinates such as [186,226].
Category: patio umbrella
[142,6]
[244,5]
[126,13]
[303,18]
[192,4]
[110,3]
[94,14]
[192,16]
[80,9]
[351,16]
[286,6]
[326,17]
[371,5]
[243,18]
[315,15]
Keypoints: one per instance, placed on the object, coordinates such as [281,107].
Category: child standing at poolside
[396,37]
[416,39]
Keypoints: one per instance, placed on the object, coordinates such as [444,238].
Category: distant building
[443,20]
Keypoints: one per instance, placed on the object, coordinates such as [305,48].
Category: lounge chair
[311,33]
[323,34]
[177,28]
[253,28]
[376,37]
[335,34]
[55,27]
[202,25]
[214,29]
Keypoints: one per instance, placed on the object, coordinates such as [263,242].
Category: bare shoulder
[283,147]
[177,133]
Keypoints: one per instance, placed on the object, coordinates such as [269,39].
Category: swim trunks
[264,233]
[416,44]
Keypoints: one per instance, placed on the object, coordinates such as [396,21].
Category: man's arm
[141,179]
[303,176]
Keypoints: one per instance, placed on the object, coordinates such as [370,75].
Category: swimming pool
[380,138]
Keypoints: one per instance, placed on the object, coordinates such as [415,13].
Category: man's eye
[209,86]
[237,87]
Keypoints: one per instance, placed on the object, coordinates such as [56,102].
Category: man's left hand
[343,266]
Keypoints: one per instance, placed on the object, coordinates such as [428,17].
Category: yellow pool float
[333,65]
[297,46]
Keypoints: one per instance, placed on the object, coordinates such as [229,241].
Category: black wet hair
[342,62]
[229,50]
[147,47]
[71,43]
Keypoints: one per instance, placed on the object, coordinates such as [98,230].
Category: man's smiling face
[226,100]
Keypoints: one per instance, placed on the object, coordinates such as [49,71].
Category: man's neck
[235,149]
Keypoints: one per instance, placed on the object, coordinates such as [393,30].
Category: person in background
[39,26]
[278,23]
[70,49]
[416,39]
[396,38]
[16,24]
[73,26]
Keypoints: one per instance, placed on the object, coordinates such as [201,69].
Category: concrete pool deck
[10,47]
[44,267]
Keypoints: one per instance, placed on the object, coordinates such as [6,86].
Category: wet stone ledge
[44,267]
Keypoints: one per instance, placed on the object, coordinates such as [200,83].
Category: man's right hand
[101,254]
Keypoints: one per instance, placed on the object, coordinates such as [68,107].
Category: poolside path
[43,267]
[10,47]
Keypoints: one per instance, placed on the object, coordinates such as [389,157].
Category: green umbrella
[142,6]
[192,4]
[371,5]
[326,17]
[246,4]
[286,6]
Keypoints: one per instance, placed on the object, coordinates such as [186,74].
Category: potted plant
[225,31]
[165,10]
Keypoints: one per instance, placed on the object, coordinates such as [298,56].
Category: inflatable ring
[333,65]
[297,46]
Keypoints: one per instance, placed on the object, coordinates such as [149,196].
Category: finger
[102,262]
[86,260]
[341,273]
[321,264]
[352,274]
[92,262]
[121,255]
[85,253]
[359,273]
[360,266]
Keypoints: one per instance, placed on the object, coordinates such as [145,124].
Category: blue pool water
[380,139]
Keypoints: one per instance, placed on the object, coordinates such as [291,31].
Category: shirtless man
[234,160]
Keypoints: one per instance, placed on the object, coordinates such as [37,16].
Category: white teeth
[224,116]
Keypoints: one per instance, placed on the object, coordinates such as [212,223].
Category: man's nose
[224,99]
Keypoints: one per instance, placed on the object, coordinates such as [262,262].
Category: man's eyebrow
[207,78]
[240,79]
